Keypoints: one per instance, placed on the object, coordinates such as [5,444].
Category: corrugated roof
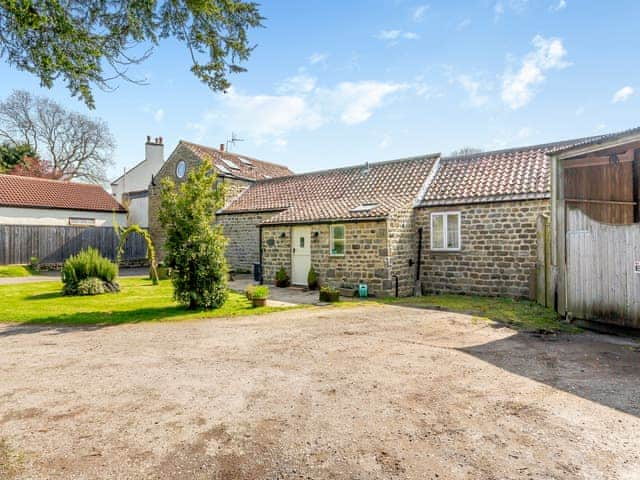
[30,192]
[334,194]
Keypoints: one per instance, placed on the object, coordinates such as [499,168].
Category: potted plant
[248,292]
[312,279]
[329,294]
[282,278]
[259,295]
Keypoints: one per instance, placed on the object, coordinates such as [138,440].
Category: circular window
[181,169]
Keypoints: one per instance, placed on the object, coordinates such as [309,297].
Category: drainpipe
[396,278]
[260,254]
[419,254]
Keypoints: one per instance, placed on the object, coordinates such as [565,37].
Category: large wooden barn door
[603,270]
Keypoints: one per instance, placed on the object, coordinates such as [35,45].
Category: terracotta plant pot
[259,302]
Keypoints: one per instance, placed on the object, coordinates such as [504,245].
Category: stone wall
[366,256]
[403,250]
[233,188]
[243,234]
[498,250]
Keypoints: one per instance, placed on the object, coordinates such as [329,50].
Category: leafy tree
[72,144]
[194,247]
[76,40]
[13,155]
[34,167]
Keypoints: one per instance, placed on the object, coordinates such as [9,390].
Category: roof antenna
[233,140]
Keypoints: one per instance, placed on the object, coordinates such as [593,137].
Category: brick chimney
[154,153]
[222,147]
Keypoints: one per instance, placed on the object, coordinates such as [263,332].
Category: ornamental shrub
[282,278]
[90,286]
[312,279]
[194,246]
[85,265]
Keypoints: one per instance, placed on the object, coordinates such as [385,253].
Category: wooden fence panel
[54,244]
[603,277]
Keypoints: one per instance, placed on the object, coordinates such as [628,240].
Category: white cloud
[159,115]
[516,6]
[418,13]
[518,87]
[318,58]
[356,101]
[624,94]
[198,129]
[525,132]
[301,83]
[601,127]
[393,36]
[385,142]
[561,5]
[299,105]
[463,24]
[473,89]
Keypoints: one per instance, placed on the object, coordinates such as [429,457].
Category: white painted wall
[139,211]
[138,179]
[45,216]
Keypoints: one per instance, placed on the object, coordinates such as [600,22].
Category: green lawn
[14,271]
[519,314]
[139,301]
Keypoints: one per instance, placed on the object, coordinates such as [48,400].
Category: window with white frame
[445,231]
[336,243]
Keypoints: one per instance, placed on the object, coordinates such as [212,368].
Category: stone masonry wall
[498,252]
[403,249]
[366,256]
[234,188]
[243,235]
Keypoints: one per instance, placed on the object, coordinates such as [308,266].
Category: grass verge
[520,314]
[7,271]
[139,301]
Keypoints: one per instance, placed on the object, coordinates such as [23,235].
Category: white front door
[300,255]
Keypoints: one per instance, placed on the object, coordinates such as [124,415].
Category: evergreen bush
[194,246]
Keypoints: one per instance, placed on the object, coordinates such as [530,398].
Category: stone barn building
[237,172]
[352,224]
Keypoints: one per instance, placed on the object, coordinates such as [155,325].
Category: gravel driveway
[372,392]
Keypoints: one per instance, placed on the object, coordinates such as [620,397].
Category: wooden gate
[603,270]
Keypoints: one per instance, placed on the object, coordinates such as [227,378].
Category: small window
[82,222]
[337,240]
[301,242]
[445,231]
[181,169]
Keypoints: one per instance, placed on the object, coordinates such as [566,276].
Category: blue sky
[340,83]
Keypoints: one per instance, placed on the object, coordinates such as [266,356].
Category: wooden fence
[54,244]
[544,287]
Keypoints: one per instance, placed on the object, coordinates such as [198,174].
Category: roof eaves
[485,199]
[600,143]
[323,221]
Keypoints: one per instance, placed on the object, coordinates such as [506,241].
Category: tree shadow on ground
[599,368]
[90,321]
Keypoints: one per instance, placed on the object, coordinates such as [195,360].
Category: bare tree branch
[73,144]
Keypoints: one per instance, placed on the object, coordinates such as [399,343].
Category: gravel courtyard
[367,392]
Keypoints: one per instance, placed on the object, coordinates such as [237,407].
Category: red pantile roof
[334,194]
[235,165]
[513,174]
[30,192]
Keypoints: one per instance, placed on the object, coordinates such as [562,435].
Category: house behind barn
[237,172]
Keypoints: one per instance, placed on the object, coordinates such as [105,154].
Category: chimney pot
[160,138]
[222,147]
[148,138]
